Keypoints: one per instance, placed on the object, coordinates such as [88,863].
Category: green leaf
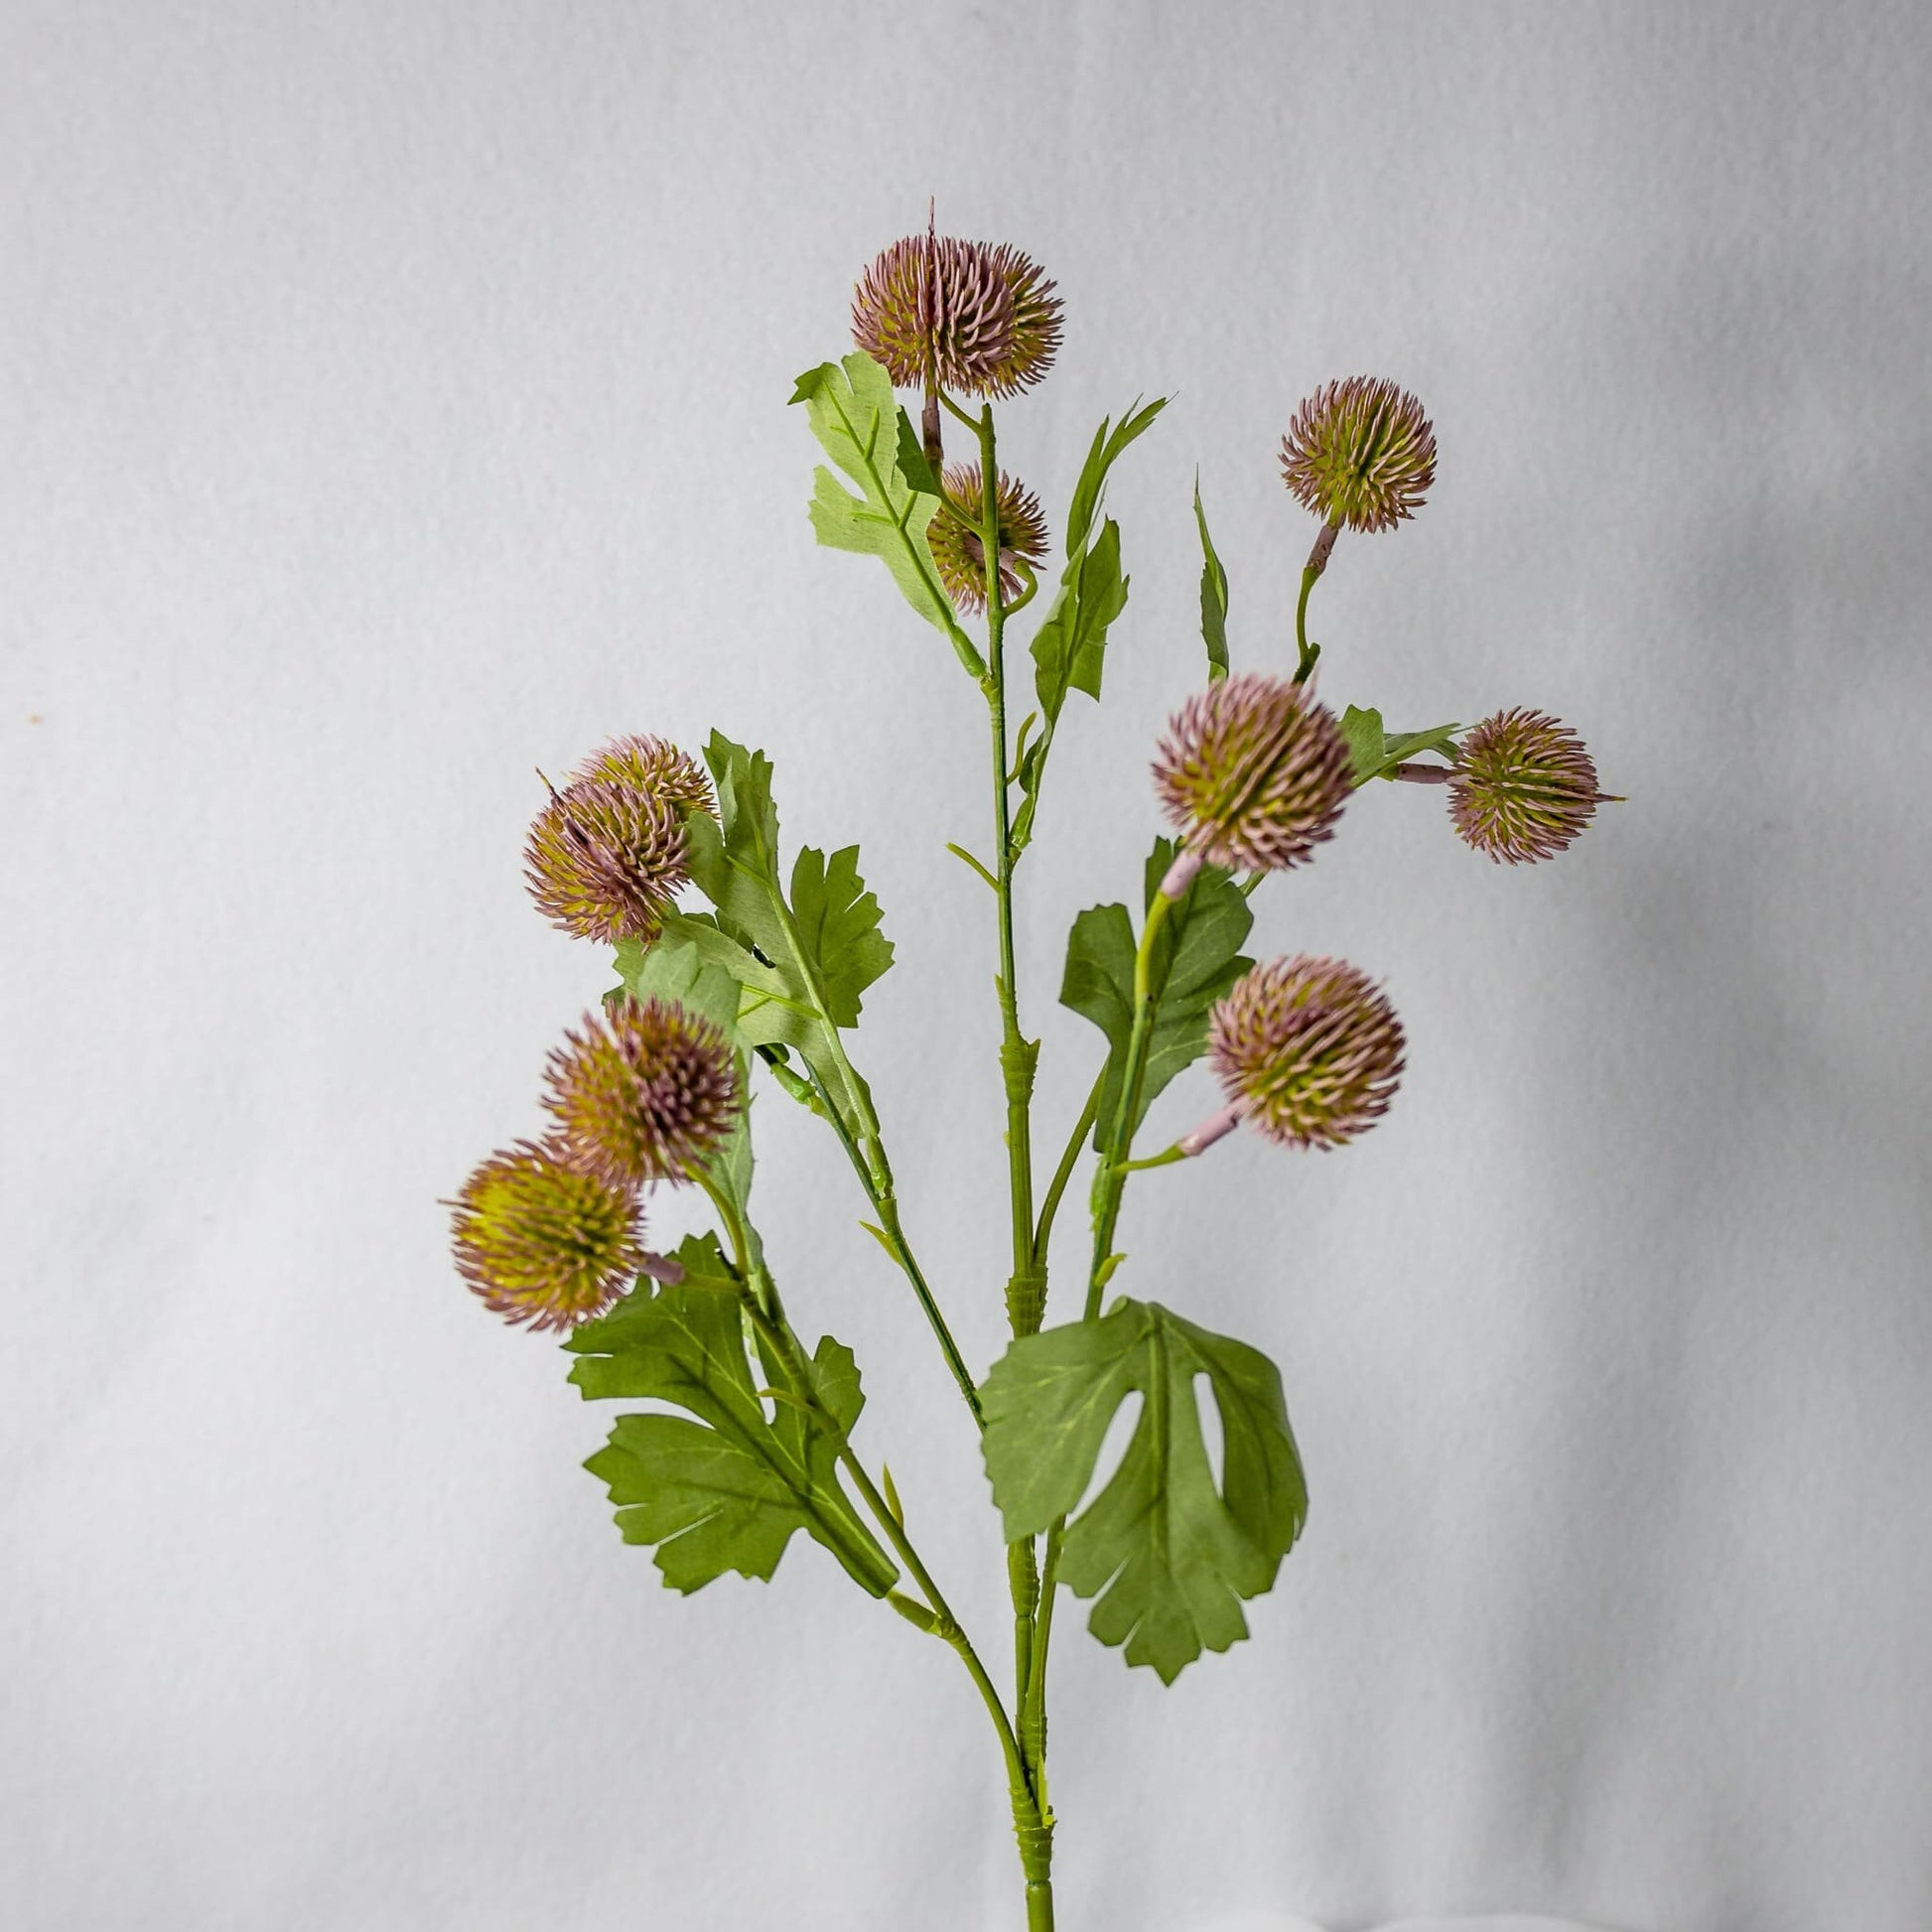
[1069,648]
[674,969]
[1213,597]
[1196,958]
[838,920]
[726,1489]
[1169,1554]
[1405,745]
[1374,753]
[1107,445]
[801,968]
[864,431]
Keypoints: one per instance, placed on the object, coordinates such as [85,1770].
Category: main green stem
[1027,1286]
[1119,1145]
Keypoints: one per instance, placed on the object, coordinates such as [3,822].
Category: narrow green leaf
[860,427]
[1068,647]
[1105,448]
[1213,597]
[1197,959]
[1406,744]
[724,1489]
[1170,1554]
[1374,753]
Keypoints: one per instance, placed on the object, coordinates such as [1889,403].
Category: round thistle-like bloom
[939,313]
[605,855]
[653,765]
[1360,453]
[1522,787]
[543,1241]
[1253,773]
[959,553]
[1308,1048]
[644,1093]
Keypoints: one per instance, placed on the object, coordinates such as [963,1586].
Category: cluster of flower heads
[551,1232]
[1522,787]
[605,855]
[967,316]
[959,552]
[1360,453]
[1253,773]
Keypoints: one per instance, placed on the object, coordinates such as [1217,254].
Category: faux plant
[737,966]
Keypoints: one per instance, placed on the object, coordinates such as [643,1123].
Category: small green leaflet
[1197,959]
[1375,754]
[1108,443]
[1068,650]
[726,1489]
[1213,597]
[864,431]
[1170,1556]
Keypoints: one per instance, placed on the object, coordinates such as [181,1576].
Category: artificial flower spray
[738,967]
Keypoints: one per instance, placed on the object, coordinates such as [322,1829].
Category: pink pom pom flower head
[958,552]
[1522,787]
[1359,454]
[1253,773]
[939,313]
[542,1241]
[605,855]
[1307,1049]
[643,1092]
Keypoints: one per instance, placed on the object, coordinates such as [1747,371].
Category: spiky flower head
[1522,787]
[650,765]
[544,1241]
[939,313]
[958,551]
[607,855]
[1360,453]
[1308,1048]
[644,1091]
[1253,773]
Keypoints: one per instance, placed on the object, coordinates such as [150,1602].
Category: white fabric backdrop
[394,400]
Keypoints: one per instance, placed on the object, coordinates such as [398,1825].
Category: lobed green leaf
[724,1489]
[838,920]
[1170,1554]
[860,427]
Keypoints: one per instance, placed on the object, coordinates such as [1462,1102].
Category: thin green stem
[1113,1178]
[1082,1127]
[1164,1159]
[1117,1164]
[1317,562]
[885,1203]
[1027,1288]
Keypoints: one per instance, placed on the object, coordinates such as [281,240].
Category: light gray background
[394,401]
